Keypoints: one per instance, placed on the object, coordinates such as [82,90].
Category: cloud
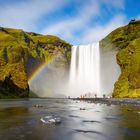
[114,3]
[94,34]
[25,14]
[75,28]
[80,22]
[67,27]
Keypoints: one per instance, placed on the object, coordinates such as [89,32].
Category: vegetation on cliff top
[127,41]
[21,53]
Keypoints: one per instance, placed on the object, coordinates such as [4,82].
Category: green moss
[127,41]
[22,52]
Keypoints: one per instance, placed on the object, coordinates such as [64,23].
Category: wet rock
[82,109]
[51,120]
[38,105]
[91,121]
[73,116]
[108,103]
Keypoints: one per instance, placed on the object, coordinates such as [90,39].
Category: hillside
[21,53]
[127,42]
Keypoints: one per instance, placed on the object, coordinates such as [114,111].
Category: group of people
[89,95]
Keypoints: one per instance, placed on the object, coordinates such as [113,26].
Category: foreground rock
[51,120]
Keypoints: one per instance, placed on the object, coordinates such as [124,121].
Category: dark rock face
[7,87]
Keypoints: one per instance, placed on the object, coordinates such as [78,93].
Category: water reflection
[21,120]
[9,117]
[129,125]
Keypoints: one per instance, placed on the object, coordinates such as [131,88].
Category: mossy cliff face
[127,41]
[21,53]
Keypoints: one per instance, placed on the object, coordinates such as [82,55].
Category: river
[20,120]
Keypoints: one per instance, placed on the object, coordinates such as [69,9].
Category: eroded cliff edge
[126,40]
[21,53]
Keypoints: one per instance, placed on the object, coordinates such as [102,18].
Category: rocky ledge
[113,101]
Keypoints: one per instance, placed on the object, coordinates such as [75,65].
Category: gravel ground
[114,101]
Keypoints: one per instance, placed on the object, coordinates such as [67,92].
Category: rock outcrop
[127,42]
[21,53]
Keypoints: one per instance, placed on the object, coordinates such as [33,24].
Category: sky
[76,21]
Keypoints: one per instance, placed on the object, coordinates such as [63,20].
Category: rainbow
[38,69]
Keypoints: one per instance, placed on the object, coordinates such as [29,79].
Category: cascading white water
[85,70]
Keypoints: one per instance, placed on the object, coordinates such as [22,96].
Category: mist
[51,80]
[55,78]
[109,70]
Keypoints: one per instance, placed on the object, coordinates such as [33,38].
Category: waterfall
[85,70]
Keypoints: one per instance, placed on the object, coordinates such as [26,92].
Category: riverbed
[80,120]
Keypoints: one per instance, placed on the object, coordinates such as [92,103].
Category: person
[95,95]
[104,96]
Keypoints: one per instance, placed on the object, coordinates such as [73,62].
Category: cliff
[126,40]
[21,53]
